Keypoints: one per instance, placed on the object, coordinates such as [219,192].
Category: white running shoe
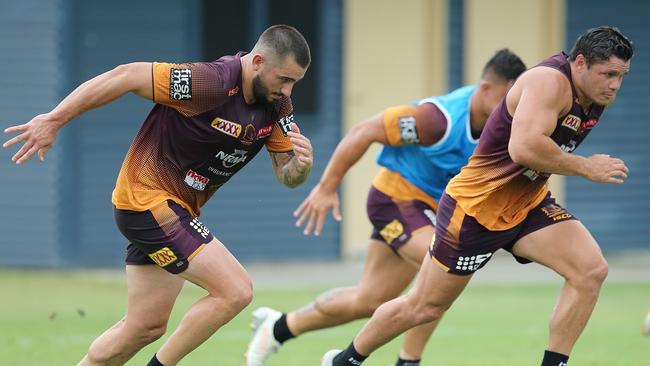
[263,342]
[328,357]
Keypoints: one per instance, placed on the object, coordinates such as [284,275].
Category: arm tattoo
[276,163]
[292,173]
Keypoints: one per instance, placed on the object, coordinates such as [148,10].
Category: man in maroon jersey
[500,199]
[210,119]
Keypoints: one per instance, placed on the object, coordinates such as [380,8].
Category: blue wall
[60,212]
[617,216]
[30,44]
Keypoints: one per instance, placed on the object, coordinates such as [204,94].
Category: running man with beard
[210,119]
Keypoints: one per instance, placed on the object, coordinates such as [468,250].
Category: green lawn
[50,318]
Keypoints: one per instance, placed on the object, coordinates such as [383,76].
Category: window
[227,29]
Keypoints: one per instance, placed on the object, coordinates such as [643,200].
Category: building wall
[534,29]
[617,215]
[59,212]
[105,35]
[395,52]
[378,73]
[252,214]
[32,72]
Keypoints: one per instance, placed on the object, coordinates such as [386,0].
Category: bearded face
[261,91]
[275,80]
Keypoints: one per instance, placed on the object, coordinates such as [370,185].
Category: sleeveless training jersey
[493,189]
[429,168]
[197,136]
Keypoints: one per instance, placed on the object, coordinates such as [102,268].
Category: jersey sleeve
[279,142]
[191,88]
[423,125]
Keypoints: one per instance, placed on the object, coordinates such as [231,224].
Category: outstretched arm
[423,125]
[39,134]
[323,197]
[537,108]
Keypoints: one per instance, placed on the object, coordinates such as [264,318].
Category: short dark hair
[284,40]
[504,65]
[599,44]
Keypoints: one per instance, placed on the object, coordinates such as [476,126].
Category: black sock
[403,362]
[154,362]
[554,359]
[281,330]
[349,356]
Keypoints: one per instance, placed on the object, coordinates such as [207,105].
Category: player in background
[501,200]
[425,144]
[210,119]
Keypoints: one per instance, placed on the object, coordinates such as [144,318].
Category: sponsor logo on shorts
[556,213]
[562,216]
[249,135]
[472,263]
[264,131]
[233,91]
[200,228]
[392,231]
[572,122]
[163,257]
[407,131]
[229,128]
[180,84]
[230,160]
[196,180]
[285,123]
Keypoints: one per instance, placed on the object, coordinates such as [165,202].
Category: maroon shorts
[166,235]
[465,246]
[395,222]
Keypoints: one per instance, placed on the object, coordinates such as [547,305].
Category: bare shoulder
[543,77]
[541,85]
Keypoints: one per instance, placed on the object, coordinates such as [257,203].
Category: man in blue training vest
[425,145]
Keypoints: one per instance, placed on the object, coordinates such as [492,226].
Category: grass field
[50,318]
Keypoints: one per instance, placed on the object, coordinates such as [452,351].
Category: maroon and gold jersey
[493,189]
[197,136]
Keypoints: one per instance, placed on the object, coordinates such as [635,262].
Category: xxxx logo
[163,257]
[572,122]
[229,128]
[392,231]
